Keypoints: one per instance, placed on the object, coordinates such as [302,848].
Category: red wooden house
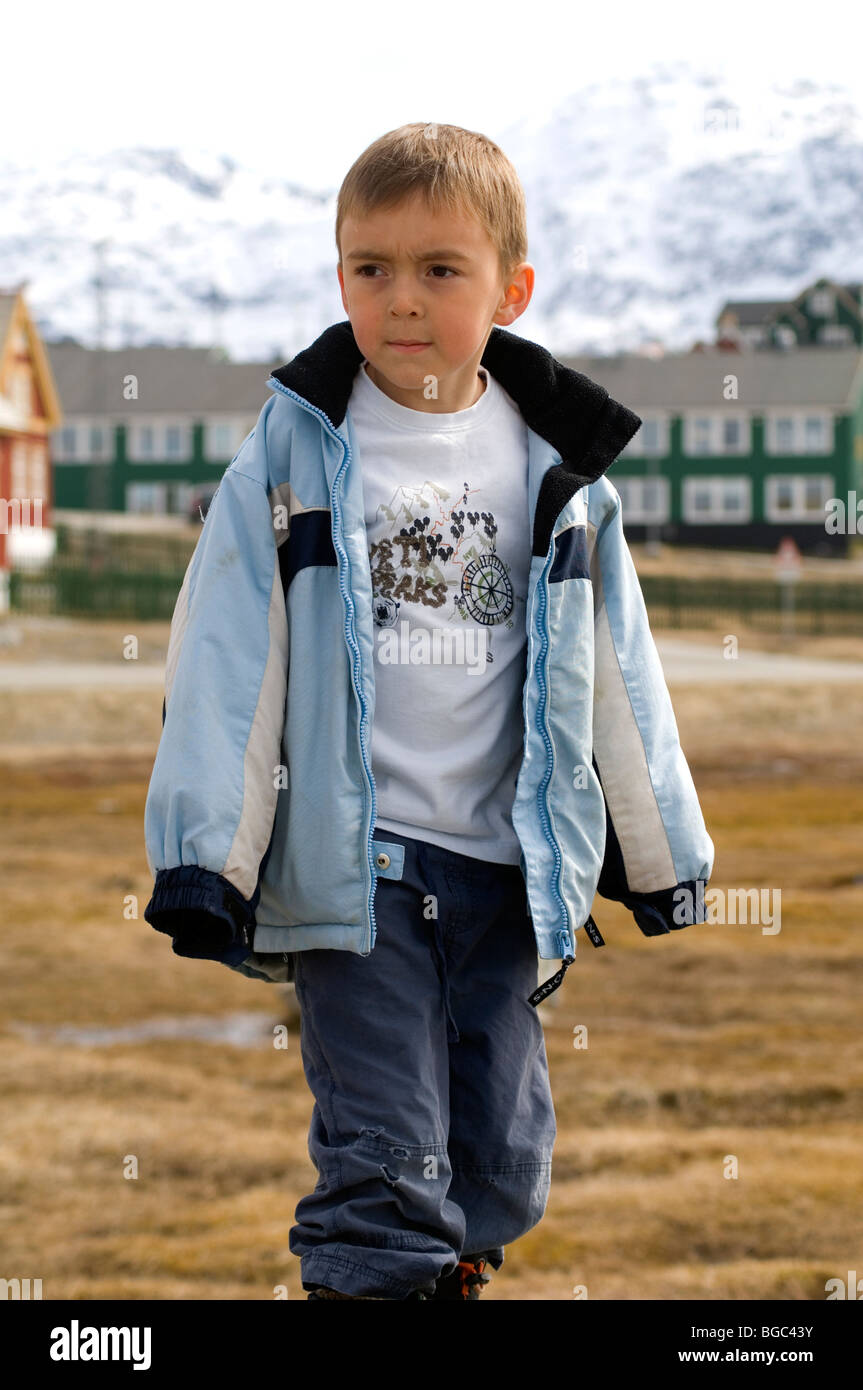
[29,411]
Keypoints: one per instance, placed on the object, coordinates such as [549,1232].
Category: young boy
[414,720]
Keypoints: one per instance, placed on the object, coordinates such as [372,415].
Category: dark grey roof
[751,312]
[170,380]
[798,377]
[194,382]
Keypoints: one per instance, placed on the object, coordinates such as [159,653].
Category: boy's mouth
[408,345]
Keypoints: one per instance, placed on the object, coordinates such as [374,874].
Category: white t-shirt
[446,510]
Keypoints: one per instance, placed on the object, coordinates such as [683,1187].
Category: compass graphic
[486,590]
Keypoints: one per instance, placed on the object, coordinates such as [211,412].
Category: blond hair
[456,169]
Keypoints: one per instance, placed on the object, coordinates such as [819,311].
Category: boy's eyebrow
[423,256]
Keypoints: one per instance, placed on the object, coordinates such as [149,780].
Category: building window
[734,437]
[145,443]
[800,432]
[654,498]
[754,335]
[815,494]
[650,436]
[19,469]
[701,435]
[68,442]
[651,439]
[21,397]
[173,441]
[98,437]
[146,498]
[702,498]
[733,499]
[221,435]
[643,500]
[717,499]
[717,434]
[785,335]
[784,434]
[797,496]
[38,473]
[821,304]
[155,441]
[834,333]
[179,498]
[224,439]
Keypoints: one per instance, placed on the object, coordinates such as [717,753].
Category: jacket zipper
[564,937]
[350,637]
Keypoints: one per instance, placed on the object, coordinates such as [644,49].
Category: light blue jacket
[261,805]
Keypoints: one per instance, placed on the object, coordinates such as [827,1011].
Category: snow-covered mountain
[650,202]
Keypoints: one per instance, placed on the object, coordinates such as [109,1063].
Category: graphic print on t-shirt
[441,554]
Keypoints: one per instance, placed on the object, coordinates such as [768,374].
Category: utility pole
[98,477]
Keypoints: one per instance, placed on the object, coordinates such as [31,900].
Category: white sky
[301,89]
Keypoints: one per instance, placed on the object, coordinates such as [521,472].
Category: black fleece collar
[574,414]
[577,416]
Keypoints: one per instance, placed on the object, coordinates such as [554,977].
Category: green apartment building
[148,430]
[746,440]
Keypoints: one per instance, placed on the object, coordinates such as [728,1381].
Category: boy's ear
[517,293]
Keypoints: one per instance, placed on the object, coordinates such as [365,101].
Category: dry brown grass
[714,1041]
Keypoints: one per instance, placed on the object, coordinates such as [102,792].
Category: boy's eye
[362,268]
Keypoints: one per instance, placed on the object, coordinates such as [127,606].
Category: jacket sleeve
[212,795]
[658,855]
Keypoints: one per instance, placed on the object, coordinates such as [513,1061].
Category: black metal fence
[104,592]
[118,575]
[814,606]
[103,574]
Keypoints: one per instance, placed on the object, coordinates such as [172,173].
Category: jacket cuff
[206,916]
[668,910]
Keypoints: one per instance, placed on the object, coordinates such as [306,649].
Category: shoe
[466,1280]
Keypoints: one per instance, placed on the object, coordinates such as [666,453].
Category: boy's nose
[405,296]
[404,311]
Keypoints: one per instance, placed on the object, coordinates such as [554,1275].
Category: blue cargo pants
[433,1124]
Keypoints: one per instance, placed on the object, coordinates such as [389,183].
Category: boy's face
[398,283]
